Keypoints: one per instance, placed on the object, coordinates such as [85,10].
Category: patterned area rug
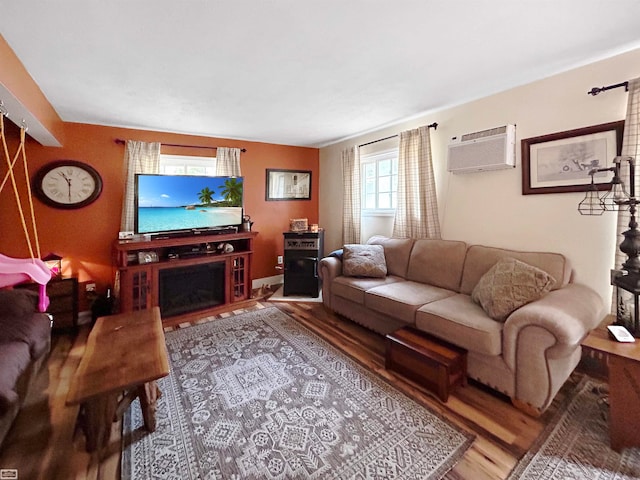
[576,444]
[259,396]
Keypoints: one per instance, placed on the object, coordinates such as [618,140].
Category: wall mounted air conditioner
[492,149]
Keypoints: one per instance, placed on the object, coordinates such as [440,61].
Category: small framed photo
[288,184]
[560,162]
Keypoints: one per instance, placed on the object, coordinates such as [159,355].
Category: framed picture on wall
[288,184]
[560,162]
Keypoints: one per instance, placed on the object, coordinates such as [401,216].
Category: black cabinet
[302,252]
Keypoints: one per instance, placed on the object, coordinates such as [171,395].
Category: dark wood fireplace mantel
[140,263]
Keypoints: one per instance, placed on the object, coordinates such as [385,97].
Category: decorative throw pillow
[508,285]
[337,253]
[364,261]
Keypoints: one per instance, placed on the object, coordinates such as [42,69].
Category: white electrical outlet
[280,260]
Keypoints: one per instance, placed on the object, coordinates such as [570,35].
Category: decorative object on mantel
[246,223]
[298,224]
[559,162]
[626,281]
[257,395]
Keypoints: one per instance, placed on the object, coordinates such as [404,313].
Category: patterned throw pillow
[364,261]
[508,285]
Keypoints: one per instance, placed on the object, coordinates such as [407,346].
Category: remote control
[620,334]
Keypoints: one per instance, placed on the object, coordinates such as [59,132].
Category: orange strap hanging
[10,175]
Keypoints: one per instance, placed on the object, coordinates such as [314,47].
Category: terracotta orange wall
[84,237]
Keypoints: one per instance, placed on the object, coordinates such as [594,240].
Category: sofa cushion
[437,262]
[396,253]
[364,261]
[15,359]
[480,259]
[457,319]
[33,329]
[508,285]
[17,302]
[401,300]
[20,320]
[353,288]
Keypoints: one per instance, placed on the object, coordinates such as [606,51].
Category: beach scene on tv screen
[183,202]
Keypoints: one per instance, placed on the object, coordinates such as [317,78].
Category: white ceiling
[298,72]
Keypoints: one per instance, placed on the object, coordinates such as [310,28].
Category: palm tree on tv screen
[232,192]
[206,195]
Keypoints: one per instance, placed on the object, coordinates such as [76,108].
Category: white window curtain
[630,148]
[228,161]
[417,208]
[139,157]
[351,195]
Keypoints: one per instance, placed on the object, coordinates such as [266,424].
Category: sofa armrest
[568,314]
[541,340]
[329,269]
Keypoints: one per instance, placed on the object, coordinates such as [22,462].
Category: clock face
[67,184]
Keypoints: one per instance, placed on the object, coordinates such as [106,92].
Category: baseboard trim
[261,282]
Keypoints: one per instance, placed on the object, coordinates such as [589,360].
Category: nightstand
[63,301]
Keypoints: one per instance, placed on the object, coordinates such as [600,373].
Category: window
[187,165]
[380,182]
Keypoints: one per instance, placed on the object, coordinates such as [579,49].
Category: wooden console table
[623,360]
[124,357]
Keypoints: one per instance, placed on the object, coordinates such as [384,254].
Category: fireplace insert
[191,288]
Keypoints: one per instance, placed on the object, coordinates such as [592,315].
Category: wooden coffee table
[433,363]
[124,356]
[623,361]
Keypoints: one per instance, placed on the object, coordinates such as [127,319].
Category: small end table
[63,301]
[623,360]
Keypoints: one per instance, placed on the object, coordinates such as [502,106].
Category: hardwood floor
[44,443]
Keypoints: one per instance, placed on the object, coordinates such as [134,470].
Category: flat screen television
[170,203]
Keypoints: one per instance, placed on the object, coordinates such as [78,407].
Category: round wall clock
[67,184]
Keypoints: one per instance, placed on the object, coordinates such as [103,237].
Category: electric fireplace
[190,288]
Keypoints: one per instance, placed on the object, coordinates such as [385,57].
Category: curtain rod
[434,125]
[595,90]
[119,141]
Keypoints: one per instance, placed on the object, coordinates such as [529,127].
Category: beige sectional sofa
[429,284]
